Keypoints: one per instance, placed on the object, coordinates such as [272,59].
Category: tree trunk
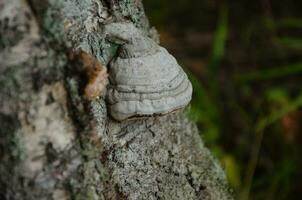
[56,144]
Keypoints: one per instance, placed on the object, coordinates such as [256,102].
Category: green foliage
[291,42]
[205,107]
[272,73]
[219,42]
[276,114]
[295,23]
[206,111]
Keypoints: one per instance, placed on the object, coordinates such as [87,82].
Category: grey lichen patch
[18,34]
[60,194]
[52,180]
[12,81]
[91,179]
[88,184]
[99,110]
[17,80]
[85,21]
[46,121]
[28,50]
[76,104]
[48,143]
[83,29]
[162,158]
[10,149]
[20,61]
[27,155]
[51,65]
[134,11]
[53,21]
[34,115]
[12,28]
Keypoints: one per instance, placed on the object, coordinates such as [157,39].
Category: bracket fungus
[144,79]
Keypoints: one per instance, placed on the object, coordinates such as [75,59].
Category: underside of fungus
[144,78]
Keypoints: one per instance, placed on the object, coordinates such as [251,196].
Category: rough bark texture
[55,144]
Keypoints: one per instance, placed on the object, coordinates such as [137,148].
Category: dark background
[244,60]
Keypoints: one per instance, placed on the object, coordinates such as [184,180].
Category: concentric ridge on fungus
[144,78]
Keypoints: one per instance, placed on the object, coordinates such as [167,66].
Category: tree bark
[56,144]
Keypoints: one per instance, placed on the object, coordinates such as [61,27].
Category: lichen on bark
[55,144]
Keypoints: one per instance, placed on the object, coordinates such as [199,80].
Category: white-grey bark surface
[56,144]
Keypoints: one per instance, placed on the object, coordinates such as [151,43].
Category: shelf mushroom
[144,79]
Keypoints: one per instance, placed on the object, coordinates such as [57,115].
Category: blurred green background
[244,60]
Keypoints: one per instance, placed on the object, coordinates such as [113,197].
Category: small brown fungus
[97,76]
